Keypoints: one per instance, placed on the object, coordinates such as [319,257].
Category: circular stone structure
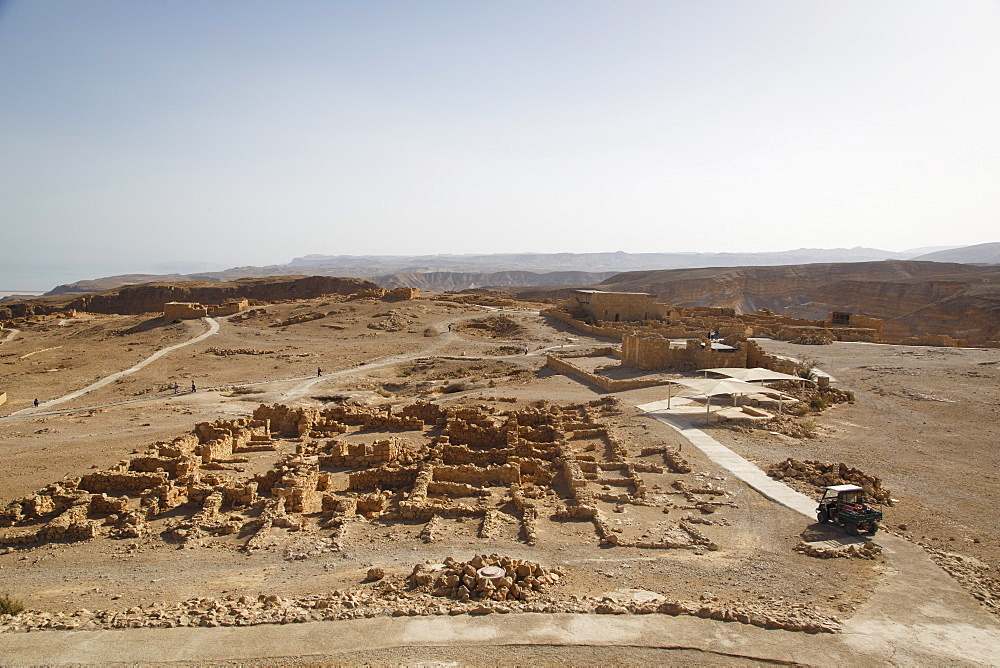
[491,573]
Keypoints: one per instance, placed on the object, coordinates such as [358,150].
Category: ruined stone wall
[756,357]
[383,477]
[559,364]
[617,306]
[285,421]
[854,321]
[356,455]
[942,340]
[679,322]
[175,466]
[184,311]
[472,428]
[401,294]
[493,476]
[229,307]
[649,353]
[122,481]
[425,411]
[580,326]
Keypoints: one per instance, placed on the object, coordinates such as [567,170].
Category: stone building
[597,305]
[194,310]
[184,311]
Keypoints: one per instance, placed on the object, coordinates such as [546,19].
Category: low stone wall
[652,353]
[356,455]
[560,365]
[580,326]
[184,311]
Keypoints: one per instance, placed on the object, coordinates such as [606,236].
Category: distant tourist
[36,403]
[526,350]
[193,388]
[319,372]
[176,387]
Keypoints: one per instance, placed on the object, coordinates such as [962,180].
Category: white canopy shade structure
[756,374]
[711,387]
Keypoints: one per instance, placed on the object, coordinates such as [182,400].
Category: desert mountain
[978,254]
[461,272]
[913,298]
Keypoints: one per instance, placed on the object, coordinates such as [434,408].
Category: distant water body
[15,277]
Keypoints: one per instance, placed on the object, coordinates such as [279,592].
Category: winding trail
[213,328]
[307,383]
[10,337]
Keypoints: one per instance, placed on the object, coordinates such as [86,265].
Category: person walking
[36,403]
[176,387]
[319,372]
[193,388]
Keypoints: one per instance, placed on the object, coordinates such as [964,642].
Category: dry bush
[10,605]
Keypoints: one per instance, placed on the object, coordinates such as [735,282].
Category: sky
[134,134]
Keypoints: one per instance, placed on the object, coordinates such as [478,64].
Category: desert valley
[286,452]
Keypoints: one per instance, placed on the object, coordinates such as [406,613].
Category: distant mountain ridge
[460,272]
[978,254]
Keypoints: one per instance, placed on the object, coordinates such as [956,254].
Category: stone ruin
[485,577]
[194,310]
[473,587]
[819,475]
[512,471]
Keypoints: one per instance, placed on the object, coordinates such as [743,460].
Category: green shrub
[10,605]
[810,428]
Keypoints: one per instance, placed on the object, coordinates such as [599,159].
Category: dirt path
[11,335]
[213,328]
[444,339]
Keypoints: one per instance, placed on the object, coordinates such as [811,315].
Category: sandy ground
[925,420]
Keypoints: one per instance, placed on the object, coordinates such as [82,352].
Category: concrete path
[326,641]
[729,460]
[918,615]
[213,327]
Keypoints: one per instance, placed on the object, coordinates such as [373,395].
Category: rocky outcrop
[150,297]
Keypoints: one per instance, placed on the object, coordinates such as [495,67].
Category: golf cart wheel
[823,517]
[851,528]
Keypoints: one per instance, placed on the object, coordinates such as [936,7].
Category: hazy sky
[252,132]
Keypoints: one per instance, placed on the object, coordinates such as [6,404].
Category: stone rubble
[448,588]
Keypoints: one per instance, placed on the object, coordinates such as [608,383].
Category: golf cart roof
[844,488]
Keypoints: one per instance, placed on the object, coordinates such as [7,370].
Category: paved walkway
[742,468]
[918,615]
